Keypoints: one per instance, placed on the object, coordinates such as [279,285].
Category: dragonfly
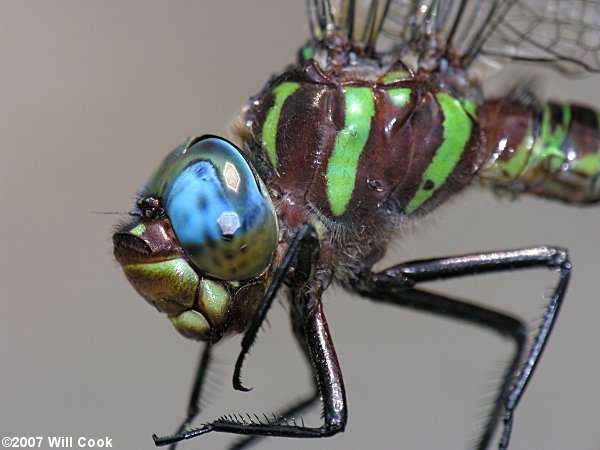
[381,120]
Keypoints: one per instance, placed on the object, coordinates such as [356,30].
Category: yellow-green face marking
[269,131]
[457,131]
[138,230]
[213,301]
[349,144]
[191,324]
[168,285]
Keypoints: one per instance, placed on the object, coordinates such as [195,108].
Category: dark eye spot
[198,250]
[201,203]
[428,185]
[185,219]
[377,185]
[229,256]
[201,170]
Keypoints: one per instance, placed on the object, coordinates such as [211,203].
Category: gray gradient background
[92,95]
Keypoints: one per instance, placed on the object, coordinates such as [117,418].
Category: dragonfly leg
[302,256]
[396,286]
[299,406]
[329,380]
[307,287]
[194,402]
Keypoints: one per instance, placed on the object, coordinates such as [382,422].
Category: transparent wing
[562,33]
[358,20]
[420,25]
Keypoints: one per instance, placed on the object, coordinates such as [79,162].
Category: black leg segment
[297,408]
[302,255]
[395,285]
[194,401]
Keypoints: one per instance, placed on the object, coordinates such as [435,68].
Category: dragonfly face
[203,241]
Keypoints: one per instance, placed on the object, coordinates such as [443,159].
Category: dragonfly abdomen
[552,150]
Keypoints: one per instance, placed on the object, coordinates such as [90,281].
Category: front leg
[327,373]
[307,287]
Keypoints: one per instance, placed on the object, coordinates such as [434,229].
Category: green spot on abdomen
[588,164]
[513,167]
[271,125]
[547,148]
[349,144]
[457,131]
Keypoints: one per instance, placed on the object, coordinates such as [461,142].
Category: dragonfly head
[201,246]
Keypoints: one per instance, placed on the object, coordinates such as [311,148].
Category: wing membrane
[561,33]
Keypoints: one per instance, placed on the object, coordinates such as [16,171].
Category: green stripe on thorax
[271,124]
[351,140]
[469,106]
[399,96]
[457,131]
[349,145]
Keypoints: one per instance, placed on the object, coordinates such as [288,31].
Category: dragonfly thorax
[357,155]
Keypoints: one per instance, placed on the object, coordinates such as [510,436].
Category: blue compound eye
[220,212]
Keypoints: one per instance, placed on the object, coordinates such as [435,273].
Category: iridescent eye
[220,211]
